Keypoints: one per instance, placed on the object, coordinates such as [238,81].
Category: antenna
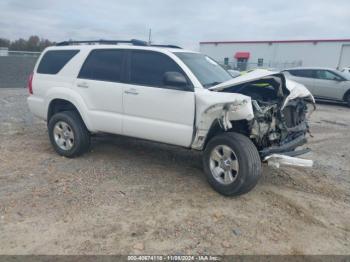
[150,36]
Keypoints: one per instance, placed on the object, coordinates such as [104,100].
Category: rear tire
[68,134]
[232,164]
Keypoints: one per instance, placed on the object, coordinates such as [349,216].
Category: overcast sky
[175,21]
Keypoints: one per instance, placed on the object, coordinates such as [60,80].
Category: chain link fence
[245,66]
[15,67]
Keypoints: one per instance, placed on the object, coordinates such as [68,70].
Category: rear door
[100,84]
[152,110]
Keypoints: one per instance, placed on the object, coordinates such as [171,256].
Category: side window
[103,65]
[326,75]
[53,61]
[148,68]
[294,72]
[301,73]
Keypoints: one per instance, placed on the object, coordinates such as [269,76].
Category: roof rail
[105,42]
[169,46]
[135,42]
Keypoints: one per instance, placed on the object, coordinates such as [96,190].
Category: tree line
[33,43]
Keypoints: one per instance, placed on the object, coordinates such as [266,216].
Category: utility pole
[150,36]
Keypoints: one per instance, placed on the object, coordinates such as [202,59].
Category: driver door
[152,110]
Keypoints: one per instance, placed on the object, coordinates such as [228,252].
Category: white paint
[159,114]
[171,116]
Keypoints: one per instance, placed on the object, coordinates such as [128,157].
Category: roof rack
[134,42]
[168,46]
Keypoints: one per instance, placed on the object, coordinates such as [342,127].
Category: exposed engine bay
[277,126]
[270,109]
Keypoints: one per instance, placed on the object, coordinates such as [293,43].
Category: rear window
[103,65]
[53,61]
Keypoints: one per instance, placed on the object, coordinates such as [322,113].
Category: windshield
[344,75]
[207,71]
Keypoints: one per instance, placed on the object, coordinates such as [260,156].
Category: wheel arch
[238,126]
[67,100]
[58,105]
[347,93]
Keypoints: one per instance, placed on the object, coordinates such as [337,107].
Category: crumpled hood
[295,89]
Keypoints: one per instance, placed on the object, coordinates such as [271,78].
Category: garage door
[345,57]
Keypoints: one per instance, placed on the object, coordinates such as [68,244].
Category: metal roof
[276,41]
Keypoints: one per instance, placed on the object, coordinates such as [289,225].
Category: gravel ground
[129,196]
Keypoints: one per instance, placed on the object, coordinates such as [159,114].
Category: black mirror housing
[175,80]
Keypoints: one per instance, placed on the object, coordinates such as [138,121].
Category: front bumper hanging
[287,148]
[277,160]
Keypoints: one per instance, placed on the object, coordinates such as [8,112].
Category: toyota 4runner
[174,96]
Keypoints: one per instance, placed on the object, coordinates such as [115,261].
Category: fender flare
[72,97]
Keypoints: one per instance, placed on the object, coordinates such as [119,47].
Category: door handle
[131,91]
[83,85]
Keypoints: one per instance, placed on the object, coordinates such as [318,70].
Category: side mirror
[175,80]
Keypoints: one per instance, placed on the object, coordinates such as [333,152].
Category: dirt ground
[135,197]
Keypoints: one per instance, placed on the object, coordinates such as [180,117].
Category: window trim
[76,51]
[123,65]
[189,88]
[311,70]
[334,73]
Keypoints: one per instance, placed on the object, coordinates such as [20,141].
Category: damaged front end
[273,112]
[276,131]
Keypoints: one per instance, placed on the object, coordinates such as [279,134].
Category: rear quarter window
[53,61]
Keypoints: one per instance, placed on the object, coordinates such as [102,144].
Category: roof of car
[118,46]
[308,68]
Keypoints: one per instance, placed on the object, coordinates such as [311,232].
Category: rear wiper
[212,84]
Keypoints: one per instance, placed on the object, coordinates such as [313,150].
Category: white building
[4,51]
[244,55]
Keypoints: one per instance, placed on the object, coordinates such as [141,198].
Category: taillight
[30,83]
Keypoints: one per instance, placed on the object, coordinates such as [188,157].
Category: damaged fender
[223,107]
[215,104]
[297,90]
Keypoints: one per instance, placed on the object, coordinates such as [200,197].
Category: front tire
[347,99]
[232,164]
[68,134]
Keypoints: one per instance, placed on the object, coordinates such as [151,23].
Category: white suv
[173,96]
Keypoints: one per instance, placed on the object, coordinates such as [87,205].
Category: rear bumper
[37,106]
